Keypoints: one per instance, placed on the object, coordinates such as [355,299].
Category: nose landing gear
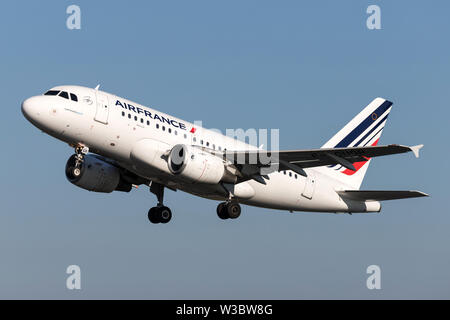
[80,152]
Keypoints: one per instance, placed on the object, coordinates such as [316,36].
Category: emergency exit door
[310,184]
[102,111]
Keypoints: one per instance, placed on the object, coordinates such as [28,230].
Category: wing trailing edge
[380,195]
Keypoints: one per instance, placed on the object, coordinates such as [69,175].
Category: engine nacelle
[195,165]
[96,175]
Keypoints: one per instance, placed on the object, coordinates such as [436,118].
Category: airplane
[120,144]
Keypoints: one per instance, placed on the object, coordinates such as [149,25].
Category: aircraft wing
[296,160]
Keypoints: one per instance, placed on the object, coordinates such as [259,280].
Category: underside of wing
[316,157]
[379,195]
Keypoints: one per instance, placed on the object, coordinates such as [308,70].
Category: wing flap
[380,195]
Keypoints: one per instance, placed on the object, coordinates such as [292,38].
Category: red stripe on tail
[358,165]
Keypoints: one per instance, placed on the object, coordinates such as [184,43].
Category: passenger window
[129,116]
[170,130]
[51,93]
[164,128]
[148,122]
[214,147]
[290,174]
[220,148]
[207,144]
[201,142]
[73,97]
[142,120]
[195,139]
[123,114]
[64,94]
[135,118]
[185,135]
[176,133]
[157,126]
[295,175]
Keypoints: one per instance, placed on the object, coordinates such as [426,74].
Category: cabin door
[102,111]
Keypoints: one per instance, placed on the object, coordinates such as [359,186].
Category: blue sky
[305,67]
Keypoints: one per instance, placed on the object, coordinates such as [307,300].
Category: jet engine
[96,175]
[194,165]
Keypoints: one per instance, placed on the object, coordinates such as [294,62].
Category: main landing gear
[228,210]
[160,213]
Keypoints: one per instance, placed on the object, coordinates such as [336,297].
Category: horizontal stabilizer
[379,195]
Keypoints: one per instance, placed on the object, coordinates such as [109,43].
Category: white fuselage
[112,126]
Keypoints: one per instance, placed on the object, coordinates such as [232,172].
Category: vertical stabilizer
[363,130]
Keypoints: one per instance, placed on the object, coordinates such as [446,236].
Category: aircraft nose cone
[30,108]
[26,106]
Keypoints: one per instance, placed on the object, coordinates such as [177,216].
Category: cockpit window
[73,97]
[51,93]
[64,94]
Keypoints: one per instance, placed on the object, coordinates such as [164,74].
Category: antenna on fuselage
[96,88]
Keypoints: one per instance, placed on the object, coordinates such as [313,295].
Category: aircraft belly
[285,193]
[213,192]
[275,194]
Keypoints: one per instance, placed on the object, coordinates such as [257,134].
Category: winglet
[415,149]
[97,87]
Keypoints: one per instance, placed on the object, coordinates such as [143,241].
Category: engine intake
[96,175]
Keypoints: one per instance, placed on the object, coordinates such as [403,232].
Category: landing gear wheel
[159,215]
[222,211]
[164,214]
[228,210]
[76,172]
[152,215]
[233,210]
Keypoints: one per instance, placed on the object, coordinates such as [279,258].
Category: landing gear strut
[228,210]
[160,213]
[80,152]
